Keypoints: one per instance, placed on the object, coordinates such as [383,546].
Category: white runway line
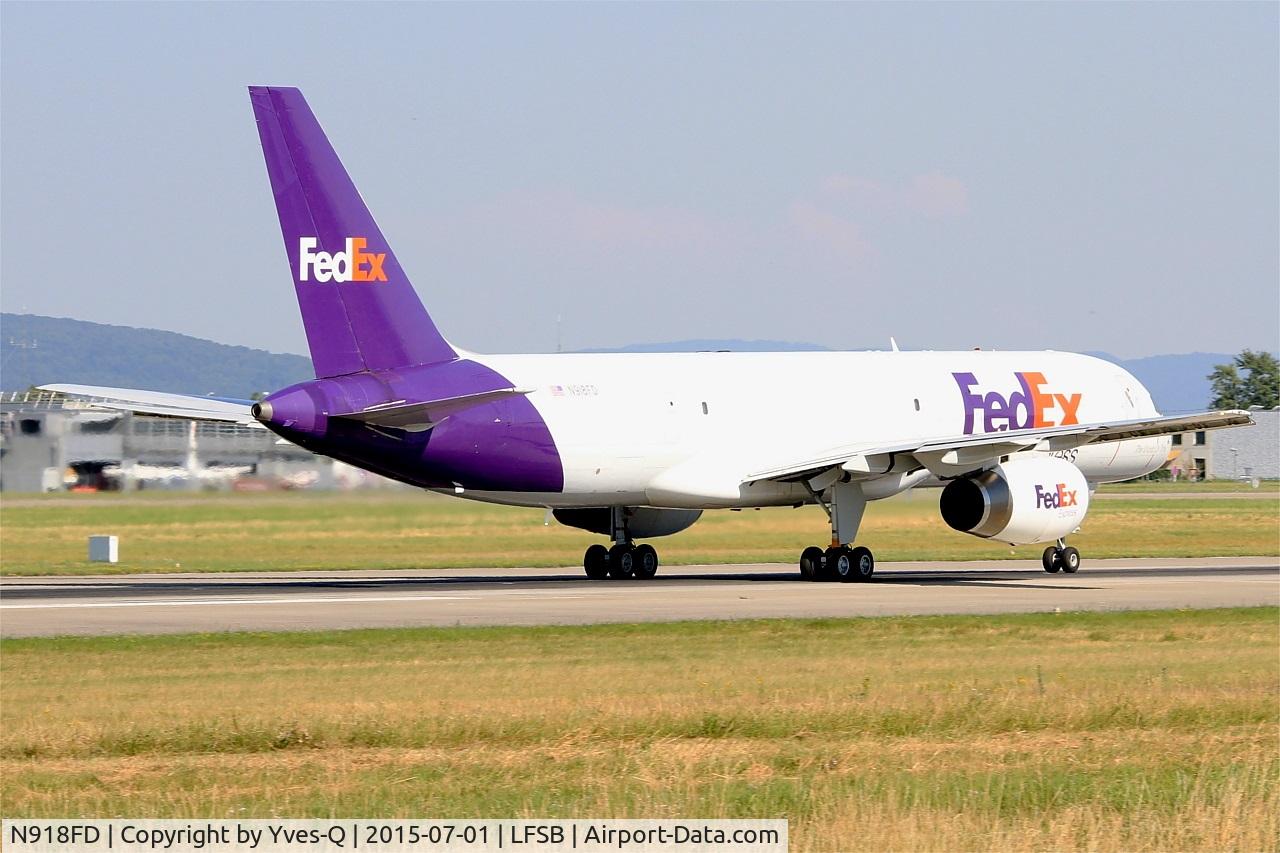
[287,599]
[216,602]
[58,586]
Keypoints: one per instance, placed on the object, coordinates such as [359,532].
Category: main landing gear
[625,559]
[840,561]
[1061,558]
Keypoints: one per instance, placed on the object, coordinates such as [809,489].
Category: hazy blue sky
[1081,176]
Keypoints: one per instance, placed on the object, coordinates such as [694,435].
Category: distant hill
[41,350]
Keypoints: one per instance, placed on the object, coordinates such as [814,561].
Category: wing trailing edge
[944,455]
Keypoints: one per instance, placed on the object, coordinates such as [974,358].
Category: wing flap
[943,454]
[1159,426]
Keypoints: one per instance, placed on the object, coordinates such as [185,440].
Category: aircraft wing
[952,455]
[185,406]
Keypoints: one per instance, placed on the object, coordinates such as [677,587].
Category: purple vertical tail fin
[358,307]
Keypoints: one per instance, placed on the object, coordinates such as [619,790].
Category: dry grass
[411,530]
[1138,731]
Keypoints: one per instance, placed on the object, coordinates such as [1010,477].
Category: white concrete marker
[104,549]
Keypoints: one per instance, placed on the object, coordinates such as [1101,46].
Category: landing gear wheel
[596,562]
[1051,560]
[646,562]
[622,561]
[811,564]
[1070,559]
[839,564]
[864,564]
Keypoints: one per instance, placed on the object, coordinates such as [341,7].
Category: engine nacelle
[643,522]
[1022,501]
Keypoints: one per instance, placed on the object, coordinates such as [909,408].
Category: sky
[1013,176]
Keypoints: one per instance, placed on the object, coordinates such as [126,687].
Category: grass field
[407,530]
[1134,731]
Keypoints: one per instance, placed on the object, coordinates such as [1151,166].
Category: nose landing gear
[1060,558]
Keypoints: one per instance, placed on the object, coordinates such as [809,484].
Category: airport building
[1241,453]
[49,443]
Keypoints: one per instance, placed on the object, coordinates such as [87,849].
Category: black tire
[622,562]
[596,562]
[1070,560]
[840,564]
[811,563]
[1051,560]
[646,562]
[864,564]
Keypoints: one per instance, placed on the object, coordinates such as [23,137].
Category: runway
[177,603]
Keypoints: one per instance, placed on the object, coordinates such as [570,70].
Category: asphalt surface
[174,603]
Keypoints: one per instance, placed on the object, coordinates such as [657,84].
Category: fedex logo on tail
[1055,498]
[354,264]
[1032,406]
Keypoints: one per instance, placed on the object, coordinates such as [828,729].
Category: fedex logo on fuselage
[1030,407]
[354,264]
[1055,498]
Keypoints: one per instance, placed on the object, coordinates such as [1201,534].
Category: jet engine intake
[1020,501]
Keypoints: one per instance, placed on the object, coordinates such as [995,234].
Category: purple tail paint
[358,307]
[373,343]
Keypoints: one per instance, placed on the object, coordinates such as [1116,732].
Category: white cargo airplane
[633,446]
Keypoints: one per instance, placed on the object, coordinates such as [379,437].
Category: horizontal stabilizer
[416,417]
[186,406]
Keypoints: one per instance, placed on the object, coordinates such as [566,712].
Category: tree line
[1251,379]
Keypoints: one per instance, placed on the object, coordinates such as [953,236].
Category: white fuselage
[689,429]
